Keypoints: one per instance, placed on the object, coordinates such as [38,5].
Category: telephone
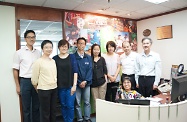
[165,87]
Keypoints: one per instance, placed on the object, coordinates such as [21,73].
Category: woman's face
[47,49]
[63,49]
[96,51]
[127,85]
[110,49]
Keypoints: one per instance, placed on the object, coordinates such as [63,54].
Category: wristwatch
[86,82]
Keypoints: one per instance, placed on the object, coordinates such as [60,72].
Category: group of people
[142,70]
[70,77]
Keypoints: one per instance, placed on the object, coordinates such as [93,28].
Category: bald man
[127,61]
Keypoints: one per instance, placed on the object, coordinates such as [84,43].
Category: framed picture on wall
[164,32]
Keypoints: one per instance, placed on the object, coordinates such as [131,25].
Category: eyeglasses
[29,37]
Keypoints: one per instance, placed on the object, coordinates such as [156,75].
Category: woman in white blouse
[113,67]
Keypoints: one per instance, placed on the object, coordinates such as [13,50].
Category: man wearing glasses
[22,69]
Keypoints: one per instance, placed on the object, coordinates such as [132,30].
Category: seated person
[125,92]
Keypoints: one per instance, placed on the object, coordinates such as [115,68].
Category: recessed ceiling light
[128,14]
[156,1]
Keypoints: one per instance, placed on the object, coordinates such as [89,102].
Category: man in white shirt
[127,61]
[22,68]
[148,69]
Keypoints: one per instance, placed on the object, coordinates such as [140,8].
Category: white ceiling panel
[105,2]
[27,2]
[134,15]
[137,8]
[155,9]
[175,4]
[115,12]
[132,5]
[62,4]
[86,7]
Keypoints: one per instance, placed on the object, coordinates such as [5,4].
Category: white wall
[10,108]
[172,51]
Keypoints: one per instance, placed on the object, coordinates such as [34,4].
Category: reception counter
[116,112]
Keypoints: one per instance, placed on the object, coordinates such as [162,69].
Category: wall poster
[99,30]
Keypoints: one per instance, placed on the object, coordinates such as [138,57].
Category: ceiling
[136,8]
[53,30]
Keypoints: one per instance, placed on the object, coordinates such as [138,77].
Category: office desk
[115,112]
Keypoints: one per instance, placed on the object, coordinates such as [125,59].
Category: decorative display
[164,32]
[147,32]
[100,30]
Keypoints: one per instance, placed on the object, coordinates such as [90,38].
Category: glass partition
[45,30]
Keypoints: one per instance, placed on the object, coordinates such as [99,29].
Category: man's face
[126,48]
[30,39]
[146,44]
[81,45]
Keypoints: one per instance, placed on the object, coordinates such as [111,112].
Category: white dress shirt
[24,59]
[128,63]
[148,65]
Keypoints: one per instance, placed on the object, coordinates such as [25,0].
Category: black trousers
[133,82]
[48,100]
[146,85]
[111,91]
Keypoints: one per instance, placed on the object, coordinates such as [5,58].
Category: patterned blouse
[133,94]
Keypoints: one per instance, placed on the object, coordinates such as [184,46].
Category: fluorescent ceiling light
[156,1]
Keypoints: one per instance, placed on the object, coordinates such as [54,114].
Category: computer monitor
[179,88]
[134,101]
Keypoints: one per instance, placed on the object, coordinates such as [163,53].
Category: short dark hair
[150,40]
[63,42]
[27,32]
[111,43]
[92,47]
[45,42]
[81,38]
